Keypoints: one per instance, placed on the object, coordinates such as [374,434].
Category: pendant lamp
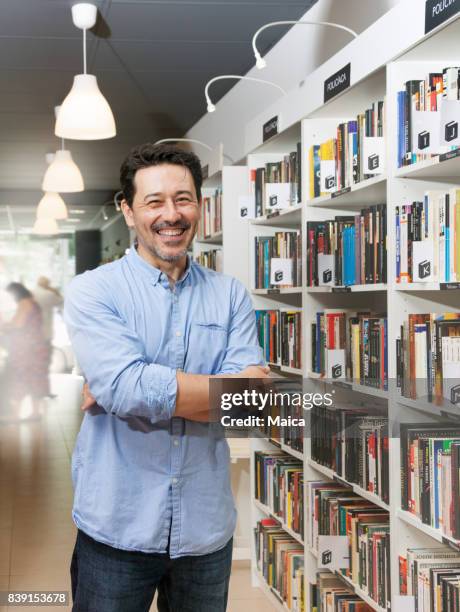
[51,206]
[45,227]
[85,114]
[63,175]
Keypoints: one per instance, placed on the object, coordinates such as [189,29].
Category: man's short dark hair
[146,155]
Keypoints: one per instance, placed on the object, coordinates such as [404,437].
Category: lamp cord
[84,51]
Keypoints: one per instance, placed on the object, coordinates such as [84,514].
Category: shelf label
[333,552]
[272,291]
[270,129]
[338,82]
[205,172]
[275,213]
[449,286]
[341,289]
[337,194]
[449,155]
[439,11]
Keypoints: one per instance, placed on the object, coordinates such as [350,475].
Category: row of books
[280,560]
[354,444]
[421,131]
[277,185]
[335,510]
[279,485]
[211,216]
[428,239]
[278,260]
[428,358]
[352,346]
[432,577]
[430,471]
[348,250]
[211,259]
[331,594]
[342,161]
[280,336]
[291,434]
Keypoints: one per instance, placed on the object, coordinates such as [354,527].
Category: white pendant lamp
[51,206]
[63,175]
[85,114]
[45,227]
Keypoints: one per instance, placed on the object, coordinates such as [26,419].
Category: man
[153,502]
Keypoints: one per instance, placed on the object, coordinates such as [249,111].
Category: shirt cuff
[163,392]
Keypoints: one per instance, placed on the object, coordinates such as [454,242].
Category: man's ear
[127,213]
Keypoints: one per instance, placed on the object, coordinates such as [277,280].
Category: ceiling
[152,59]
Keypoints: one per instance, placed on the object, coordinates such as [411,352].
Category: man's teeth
[171,232]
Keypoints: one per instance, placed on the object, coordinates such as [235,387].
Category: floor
[36,530]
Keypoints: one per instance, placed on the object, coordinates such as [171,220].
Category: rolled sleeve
[112,356]
[243,348]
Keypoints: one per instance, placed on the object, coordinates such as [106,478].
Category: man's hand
[253,372]
[88,399]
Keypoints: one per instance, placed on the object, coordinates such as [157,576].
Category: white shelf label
[333,552]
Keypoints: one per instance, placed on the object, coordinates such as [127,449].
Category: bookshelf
[400,51]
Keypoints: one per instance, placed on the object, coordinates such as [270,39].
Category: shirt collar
[155,274]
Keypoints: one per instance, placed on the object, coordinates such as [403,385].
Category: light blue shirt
[141,475]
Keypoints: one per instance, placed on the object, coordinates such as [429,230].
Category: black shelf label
[341,289]
[450,154]
[337,83]
[449,286]
[205,171]
[342,384]
[439,11]
[273,291]
[337,194]
[275,213]
[270,129]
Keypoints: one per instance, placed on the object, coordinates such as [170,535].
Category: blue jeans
[106,579]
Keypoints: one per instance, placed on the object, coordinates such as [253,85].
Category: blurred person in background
[48,298]
[26,370]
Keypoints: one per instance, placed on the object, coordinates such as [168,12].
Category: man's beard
[158,253]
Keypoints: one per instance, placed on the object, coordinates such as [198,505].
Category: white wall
[295,56]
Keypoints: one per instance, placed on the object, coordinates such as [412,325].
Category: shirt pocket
[207,344]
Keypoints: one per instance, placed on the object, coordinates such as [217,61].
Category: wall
[295,56]
[113,232]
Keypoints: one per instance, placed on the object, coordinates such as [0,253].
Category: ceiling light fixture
[85,114]
[45,227]
[51,206]
[261,63]
[212,107]
[63,175]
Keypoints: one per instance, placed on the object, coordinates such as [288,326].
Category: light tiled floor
[36,530]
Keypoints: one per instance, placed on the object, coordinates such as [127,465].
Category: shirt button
[175,480]
[178,334]
[176,442]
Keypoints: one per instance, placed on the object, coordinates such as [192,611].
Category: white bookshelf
[391,51]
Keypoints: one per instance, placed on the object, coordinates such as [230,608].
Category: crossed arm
[123,382]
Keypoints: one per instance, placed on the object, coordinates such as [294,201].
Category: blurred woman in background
[26,370]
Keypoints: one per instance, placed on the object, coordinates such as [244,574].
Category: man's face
[165,210]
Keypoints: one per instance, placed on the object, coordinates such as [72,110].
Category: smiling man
[153,503]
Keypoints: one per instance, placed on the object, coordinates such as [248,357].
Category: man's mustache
[164,225]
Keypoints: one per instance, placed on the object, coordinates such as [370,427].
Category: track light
[203,144]
[211,107]
[261,63]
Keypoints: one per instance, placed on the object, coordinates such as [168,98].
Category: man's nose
[170,212]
